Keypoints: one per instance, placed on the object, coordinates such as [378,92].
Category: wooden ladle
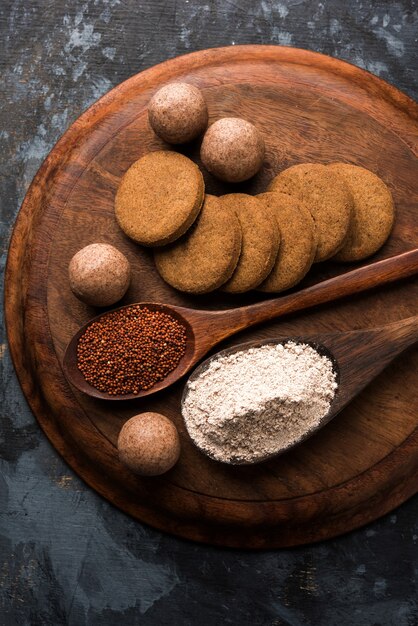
[357,356]
[205,329]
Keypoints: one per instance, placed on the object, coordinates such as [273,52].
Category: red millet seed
[130,350]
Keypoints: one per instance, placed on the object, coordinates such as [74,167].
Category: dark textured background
[66,555]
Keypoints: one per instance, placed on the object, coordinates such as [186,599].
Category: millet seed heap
[130,350]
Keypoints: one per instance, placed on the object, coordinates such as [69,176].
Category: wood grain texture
[310,107]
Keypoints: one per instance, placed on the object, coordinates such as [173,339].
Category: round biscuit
[260,242]
[374,212]
[328,199]
[298,242]
[205,258]
[159,198]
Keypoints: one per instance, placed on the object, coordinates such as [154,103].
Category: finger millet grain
[130,350]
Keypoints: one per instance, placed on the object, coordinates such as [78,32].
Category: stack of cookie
[352,208]
[238,242]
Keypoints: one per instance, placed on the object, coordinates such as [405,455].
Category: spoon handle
[399,335]
[358,280]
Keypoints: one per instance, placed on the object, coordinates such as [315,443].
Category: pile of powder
[251,404]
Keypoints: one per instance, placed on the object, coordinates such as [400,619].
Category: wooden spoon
[205,329]
[357,356]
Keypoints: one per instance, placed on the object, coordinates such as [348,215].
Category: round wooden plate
[310,108]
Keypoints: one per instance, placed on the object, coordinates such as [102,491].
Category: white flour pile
[250,404]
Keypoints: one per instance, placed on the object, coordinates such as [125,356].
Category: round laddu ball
[178,113]
[149,444]
[232,149]
[99,274]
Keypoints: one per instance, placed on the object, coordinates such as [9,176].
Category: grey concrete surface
[66,555]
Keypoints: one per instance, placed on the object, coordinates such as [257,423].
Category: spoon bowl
[357,358]
[319,347]
[75,376]
[205,329]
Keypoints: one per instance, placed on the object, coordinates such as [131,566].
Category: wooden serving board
[310,108]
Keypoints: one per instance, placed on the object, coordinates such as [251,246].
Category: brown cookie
[298,242]
[159,198]
[205,258]
[260,241]
[374,212]
[328,199]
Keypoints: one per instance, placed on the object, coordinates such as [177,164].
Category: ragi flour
[250,404]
